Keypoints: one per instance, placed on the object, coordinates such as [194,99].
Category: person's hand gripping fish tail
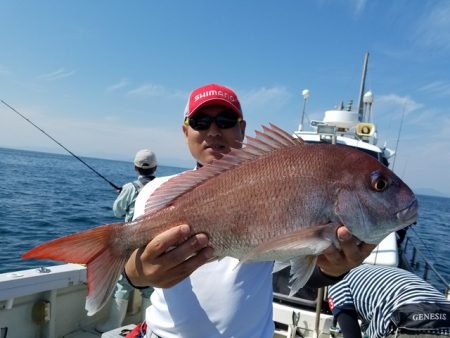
[100,249]
[169,258]
[104,250]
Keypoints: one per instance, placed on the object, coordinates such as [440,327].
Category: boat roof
[313,136]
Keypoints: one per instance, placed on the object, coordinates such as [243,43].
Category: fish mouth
[408,215]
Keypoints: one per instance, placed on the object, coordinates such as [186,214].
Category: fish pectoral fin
[301,270]
[312,240]
[280,265]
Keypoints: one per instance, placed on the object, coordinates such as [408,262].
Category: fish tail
[95,249]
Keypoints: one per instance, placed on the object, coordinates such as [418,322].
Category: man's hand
[168,258]
[334,262]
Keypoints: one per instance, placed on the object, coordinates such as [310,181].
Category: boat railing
[413,259]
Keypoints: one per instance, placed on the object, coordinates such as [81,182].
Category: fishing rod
[399,133]
[58,143]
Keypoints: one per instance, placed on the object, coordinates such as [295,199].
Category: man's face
[211,143]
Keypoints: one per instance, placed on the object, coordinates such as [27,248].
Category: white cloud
[102,137]
[438,88]
[121,84]
[156,90]
[167,142]
[422,141]
[359,6]
[4,70]
[393,104]
[434,28]
[420,156]
[147,90]
[265,97]
[61,73]
[422,124]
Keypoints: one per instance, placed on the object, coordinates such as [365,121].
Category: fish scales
[251,192]
[258,200]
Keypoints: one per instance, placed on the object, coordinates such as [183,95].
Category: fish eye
[379,182]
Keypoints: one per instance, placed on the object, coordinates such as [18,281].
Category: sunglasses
[224,120]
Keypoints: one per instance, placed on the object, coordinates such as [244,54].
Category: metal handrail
[418,256]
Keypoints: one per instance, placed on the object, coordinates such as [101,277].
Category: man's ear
[185,131]
[243,124]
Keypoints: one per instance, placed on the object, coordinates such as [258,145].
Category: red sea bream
[277,198]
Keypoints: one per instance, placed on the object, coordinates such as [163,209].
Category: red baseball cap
[212,94]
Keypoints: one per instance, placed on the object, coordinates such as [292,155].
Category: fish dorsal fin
[270,139]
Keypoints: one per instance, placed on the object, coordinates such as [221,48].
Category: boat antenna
[361,89]
[58,143]
[305,94]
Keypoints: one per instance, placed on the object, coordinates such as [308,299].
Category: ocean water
[431,235]
[44,196]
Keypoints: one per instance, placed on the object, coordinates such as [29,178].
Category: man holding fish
[206,239]
[218,299]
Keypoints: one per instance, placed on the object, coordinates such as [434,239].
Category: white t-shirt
[219,299]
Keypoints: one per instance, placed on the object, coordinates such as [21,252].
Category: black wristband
[134,286]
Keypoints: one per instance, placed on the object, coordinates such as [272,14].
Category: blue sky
[106,78]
